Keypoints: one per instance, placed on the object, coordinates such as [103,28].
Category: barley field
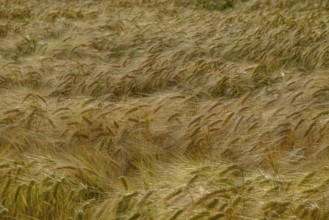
[164,109]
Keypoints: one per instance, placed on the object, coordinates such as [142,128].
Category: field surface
[164,109]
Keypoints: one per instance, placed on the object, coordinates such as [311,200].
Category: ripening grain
[153,109]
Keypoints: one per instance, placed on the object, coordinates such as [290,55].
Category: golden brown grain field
[164,109]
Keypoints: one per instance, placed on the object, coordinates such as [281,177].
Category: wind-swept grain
[296,96]
[310,127]
[228,118]
[197,119]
